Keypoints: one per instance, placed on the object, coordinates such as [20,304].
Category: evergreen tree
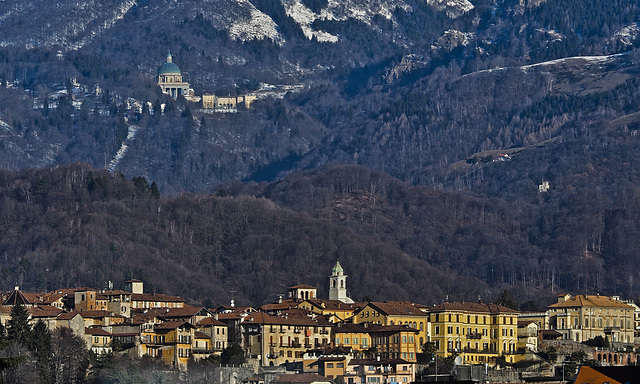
[19,329]
[40,347]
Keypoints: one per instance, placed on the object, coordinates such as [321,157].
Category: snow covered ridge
[360,10]
[257,26]
[69,24]
[453,8]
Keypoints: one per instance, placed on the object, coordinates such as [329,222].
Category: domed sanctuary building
[170,80]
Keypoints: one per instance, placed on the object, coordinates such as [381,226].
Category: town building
[274,340]
[379,371]
[479,333]
[397,313]
[584,317]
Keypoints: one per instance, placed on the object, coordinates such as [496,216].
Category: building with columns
[170,80]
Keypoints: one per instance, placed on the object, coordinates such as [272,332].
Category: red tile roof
[591,301]
[473,307]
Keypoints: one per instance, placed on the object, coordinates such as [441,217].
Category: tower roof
[337,269]
[169,68]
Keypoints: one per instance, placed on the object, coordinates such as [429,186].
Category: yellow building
[373,341]
[172,341]
[276,339]
[583,317]
[479,333]
[397,313]
[340,311]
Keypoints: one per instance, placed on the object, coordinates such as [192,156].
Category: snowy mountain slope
[340,11]
[66,24]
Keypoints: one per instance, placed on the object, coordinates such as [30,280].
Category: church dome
[169,68]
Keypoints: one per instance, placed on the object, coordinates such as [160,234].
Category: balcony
[202,351]
[474,335]
[610,330]
[323,332]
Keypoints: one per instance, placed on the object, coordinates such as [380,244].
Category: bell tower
[338,285]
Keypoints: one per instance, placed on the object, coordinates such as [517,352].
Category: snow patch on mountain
[340,11]
[626,36]
[70,24]
[453,8]
[451,39]
[256,26]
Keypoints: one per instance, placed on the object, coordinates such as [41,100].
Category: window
[339,365]
[346,340]
[449,329]
[355,340]
[329,365]
[404,339]
[437,330]
[364,342]
[421,326]
[411,340]
[337,340]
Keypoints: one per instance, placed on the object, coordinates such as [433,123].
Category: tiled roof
[97,314]
[303,378]
[591,301]
[187,311]
[156,297]
[264,318]
[200,335]
[398,308]
[229,316]
[67,315]
[96,332]
[169,325]
[333,305]
[44,311]
[16,297]
[285,304]
[489,308]
[302,286]
[211,321]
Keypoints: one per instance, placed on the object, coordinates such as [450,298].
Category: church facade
[170,80]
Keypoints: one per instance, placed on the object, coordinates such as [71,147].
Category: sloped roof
[264,318]
[42,311]
[16,297]
[303,286]
[398,308]
[96,332]
[200,335]
[211,321]
[623,374]
[170,325]
[590,301]
[98,314]
[489,308]
[155,297]
[67,315]
[333,305]
[187,311]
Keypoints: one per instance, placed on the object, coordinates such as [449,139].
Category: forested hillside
[449,114]
[74,226]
